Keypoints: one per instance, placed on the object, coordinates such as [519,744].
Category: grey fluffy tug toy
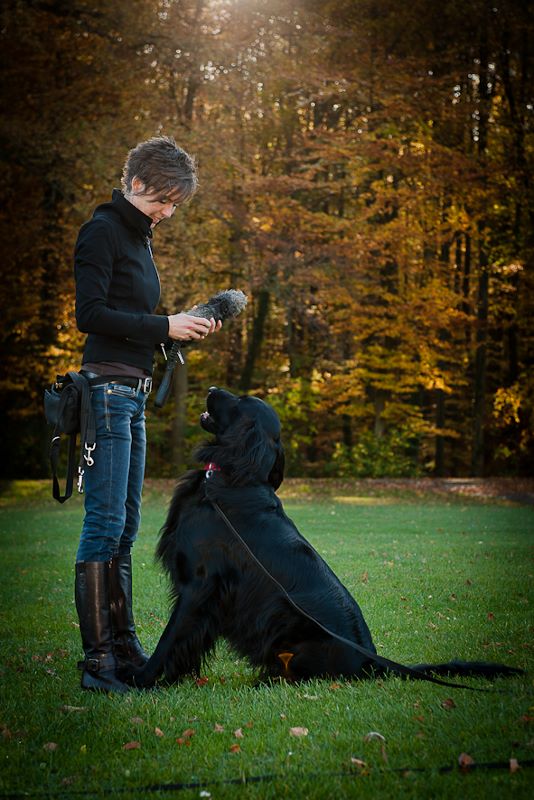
[221,306]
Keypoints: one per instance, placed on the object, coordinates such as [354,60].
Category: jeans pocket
[115,395]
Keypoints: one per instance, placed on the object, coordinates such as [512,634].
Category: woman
[117,290]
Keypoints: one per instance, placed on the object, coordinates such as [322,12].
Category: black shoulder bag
[68,410]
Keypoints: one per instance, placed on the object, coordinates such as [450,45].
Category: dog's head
[247,444]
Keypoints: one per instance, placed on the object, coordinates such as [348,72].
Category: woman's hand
[185,327]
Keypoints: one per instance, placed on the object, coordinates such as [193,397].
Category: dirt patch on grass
[513,490]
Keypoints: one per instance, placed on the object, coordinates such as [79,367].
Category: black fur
[220,591]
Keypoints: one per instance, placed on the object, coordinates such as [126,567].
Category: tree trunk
[478,455]
[444,336]
[179,422]
[457,261]
[439,455]
[480,369]
[256,339]
[379,403]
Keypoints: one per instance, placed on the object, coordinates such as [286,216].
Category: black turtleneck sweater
[117,286]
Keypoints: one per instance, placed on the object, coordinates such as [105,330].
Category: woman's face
[153,204]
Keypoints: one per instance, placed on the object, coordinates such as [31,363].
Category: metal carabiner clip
[80,480]
[89,460]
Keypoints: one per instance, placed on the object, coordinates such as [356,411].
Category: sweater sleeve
[93,270]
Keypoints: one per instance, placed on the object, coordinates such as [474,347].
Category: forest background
[366,177]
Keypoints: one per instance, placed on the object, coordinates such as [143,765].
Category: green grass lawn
[435,580]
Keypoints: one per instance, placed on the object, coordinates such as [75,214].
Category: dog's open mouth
[207,422]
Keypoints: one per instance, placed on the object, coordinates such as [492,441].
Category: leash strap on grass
[401,669]
[251,779]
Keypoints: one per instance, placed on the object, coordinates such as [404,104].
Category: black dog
[240,569]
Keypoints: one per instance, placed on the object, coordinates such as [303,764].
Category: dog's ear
[249,453]
[276,475]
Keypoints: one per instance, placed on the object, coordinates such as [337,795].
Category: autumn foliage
[366,178]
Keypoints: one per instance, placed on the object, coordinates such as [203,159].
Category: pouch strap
[54,459]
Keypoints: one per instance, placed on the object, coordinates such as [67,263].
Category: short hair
[163,167]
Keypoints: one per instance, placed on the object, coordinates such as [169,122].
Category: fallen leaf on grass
[158,732]
[218,728]
[188,733]
[50,747]
[373,735]
[239,734]
[335,686]
[491,615]
[137,721]
[465,761]
[131,746]
[448,703]
[364,577]
[298,731]
[514,765]
[235,748]
[201,681]
[382,739]
[363,769]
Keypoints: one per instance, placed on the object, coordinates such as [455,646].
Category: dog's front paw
[134,676]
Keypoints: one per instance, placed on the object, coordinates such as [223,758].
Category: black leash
[401,669]
[172,357]
[254,779]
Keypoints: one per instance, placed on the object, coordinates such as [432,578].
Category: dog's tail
[474,669]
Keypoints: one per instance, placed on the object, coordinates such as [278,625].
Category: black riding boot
[126,646]
[93,605]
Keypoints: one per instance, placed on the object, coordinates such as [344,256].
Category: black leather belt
[141,384]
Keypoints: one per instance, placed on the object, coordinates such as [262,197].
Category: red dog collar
[211,468]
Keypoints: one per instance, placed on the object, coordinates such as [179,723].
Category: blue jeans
[114,483]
